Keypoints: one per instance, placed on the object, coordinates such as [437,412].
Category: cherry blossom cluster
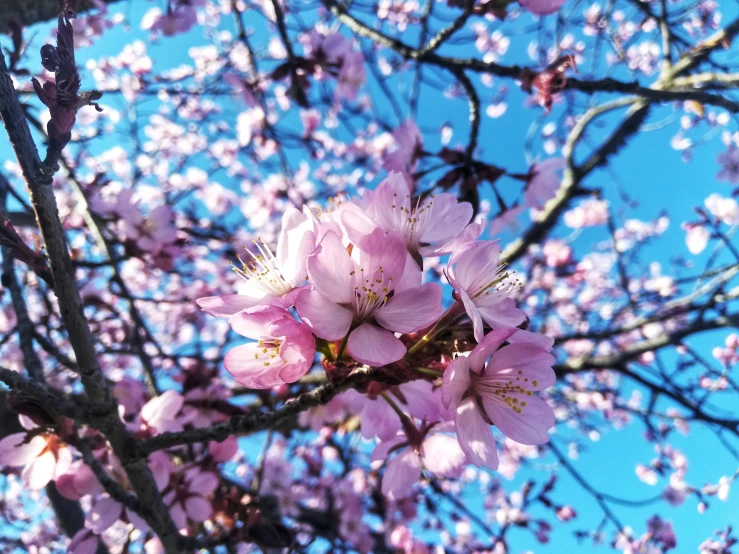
[391,291]
[348,283]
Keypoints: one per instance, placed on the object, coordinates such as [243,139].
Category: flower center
[502,284]
[505,389]
[371,291]
[410,220]
[267,350]
[263,271]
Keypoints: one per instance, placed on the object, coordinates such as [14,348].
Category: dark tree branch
[96,387]
[251,423]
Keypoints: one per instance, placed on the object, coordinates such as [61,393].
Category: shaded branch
[251,423]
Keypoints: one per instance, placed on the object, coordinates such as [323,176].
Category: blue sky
[649,171]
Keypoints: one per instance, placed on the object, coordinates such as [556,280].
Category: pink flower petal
[450,217]
[198,508]
[223,451]
[137,521]
[528,337]
[161,467]
[63,462]
[254,323]
[294,244]
[39,472]
[473,313]
[411,310]
[159,412]
[178,516]
[381,250]
[327,319]
[523,360]
[470,233]
[500,312]
[84,542]
[104,513]
[14,452]
[378,419]
[371,345]
[203,483]
[382,450]
[412,275]
[401,474]
[65,486]
[530,426]
[85,481]
[542,7]
[487,346]
[456,382]
[248,367]
[330,270]
[475,436]
[354,222]
[422,399]
[443,456]
[474,264]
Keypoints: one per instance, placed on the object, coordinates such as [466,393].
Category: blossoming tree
[429,315]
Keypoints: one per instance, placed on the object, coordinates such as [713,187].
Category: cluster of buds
[63,96]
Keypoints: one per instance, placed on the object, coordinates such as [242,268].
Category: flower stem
[324,348]
[411,432]
[393,405]
[342,347]
[429,371]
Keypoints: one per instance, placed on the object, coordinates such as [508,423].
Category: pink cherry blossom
[729,162]
[696,238]
[178,19]
[351,76]
[483,286]
[269,278]
[335,46]
[156,234]
[437,451]
[378,419]
[408,148]
[543,182]
[225,450]
[106,510]
[542,7]
[160,413]
[241,89]
[499,393]
[557,253]
[44,456]
[724,209]
[508,220]
[590,213]
[361,295]
[188,496]
[376,416]
[425,222]
[566,513]
[331,47]
[283,353]
[83,542]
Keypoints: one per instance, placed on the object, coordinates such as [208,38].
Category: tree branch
[251,423]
